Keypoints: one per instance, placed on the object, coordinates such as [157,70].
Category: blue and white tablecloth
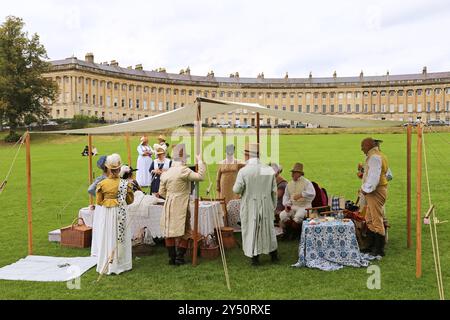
[330,246]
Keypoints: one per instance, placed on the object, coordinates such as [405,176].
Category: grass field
[60,175]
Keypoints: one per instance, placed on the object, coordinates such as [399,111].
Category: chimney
[424,71]
[286,76]
[89,57]
[310,75]
[139,67]
[361,75]
[188,71]
[335,74]
[114,63]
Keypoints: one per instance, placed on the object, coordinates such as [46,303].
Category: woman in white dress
[144,162]
[114,242]
[160,165]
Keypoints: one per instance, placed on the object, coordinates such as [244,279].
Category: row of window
[260,95]
[374,108]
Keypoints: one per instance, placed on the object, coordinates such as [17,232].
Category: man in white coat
[258,189]
[298,196]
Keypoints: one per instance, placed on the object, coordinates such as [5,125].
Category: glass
[340,215]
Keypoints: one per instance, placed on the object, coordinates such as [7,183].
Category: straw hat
[160,150]
[298,167]
[113,162]
[161,138]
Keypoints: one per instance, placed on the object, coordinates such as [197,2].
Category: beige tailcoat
[175,187]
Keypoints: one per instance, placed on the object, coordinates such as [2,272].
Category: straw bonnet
[161,138]
[298,167]
[160,150]
[113,161]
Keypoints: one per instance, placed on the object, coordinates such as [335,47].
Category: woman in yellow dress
[114,245]
[226,175]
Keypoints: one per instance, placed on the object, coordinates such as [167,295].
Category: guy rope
[219,236]
[432,220]
[5,181]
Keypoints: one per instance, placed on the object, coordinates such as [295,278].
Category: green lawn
[60,175]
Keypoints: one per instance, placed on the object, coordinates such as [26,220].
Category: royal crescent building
[116,94]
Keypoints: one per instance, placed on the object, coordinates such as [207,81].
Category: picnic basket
[76,235]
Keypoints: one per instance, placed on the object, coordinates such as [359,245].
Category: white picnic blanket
[47,269]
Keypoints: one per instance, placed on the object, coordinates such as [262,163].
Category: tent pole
[197,184]
[127,138]
[258,138]
[30,212]
[91,199]
[419,204]
[408,186]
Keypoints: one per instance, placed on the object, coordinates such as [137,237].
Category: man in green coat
[258,189]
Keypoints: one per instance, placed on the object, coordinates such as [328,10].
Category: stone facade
[117,94]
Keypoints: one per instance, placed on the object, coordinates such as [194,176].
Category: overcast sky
[273,36]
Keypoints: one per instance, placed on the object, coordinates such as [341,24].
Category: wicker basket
[76,235]
[209,248]
[142,249]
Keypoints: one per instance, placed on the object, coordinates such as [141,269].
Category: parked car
[283,125]
[300,125]
[224,125]
[265,126]
[243,126]
[436,123]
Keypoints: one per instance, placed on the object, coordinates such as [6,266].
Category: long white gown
[97,224]
[143,176]
[109,246]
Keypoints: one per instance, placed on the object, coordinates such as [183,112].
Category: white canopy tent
[211,108]
[203,109]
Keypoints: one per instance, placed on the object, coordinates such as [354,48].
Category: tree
[23,89]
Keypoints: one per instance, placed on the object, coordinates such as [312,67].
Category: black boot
[274,256]
[180,256]
[370,242]
[378,249]
[172,255]
[255,261]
